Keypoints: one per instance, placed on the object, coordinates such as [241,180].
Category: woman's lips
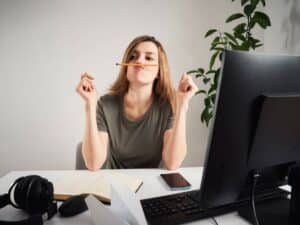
[139,68]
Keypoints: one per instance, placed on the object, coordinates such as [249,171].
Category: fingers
[85,84]
[184,84]
[86,80]
[86,75]
[187,84]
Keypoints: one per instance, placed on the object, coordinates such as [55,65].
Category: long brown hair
[162,85]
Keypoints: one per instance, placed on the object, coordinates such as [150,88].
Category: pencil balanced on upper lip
[135,64]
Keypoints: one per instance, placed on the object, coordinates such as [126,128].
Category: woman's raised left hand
[186,90]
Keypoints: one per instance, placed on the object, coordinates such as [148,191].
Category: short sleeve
[100,117]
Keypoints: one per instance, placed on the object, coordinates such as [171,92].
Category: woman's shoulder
[164,105]
[109,100]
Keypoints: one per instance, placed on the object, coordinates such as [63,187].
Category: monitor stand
[269,212]
[278,211]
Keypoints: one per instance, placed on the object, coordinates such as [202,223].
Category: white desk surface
[152,186]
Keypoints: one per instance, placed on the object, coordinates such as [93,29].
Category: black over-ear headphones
[33,194]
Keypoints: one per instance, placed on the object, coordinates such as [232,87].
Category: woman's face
[144,53]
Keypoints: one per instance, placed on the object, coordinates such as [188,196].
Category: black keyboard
[184,207]
[173,209]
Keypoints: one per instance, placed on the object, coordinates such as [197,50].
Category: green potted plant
[241,38]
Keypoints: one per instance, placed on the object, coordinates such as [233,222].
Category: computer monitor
[255,131]
[256,126]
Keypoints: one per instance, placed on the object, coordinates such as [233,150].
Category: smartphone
[175,181]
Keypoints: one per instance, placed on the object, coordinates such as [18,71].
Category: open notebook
[95,183]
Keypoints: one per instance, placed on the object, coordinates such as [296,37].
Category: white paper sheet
[125,204]
[102,215]
[125,208]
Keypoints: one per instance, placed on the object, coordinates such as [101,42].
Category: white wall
[284,35]
[46,45]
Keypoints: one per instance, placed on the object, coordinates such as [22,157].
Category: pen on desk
[139,187]
[134,64]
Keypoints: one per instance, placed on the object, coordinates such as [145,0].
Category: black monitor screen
[242,122]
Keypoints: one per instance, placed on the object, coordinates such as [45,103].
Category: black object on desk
[175,181]
[73,206]
[280,211]
[34,195]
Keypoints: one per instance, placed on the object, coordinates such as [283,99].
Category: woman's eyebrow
[148,52]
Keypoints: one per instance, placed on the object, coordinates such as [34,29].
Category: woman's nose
[140,60]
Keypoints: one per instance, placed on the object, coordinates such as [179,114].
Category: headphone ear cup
[33,194]
[32,201]
[19,194]
[40,195]
[45,194]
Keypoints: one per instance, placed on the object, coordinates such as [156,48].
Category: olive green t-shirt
[133,144]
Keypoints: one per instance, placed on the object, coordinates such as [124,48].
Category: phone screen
[175,181]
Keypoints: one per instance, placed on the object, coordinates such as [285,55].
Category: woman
[142,120]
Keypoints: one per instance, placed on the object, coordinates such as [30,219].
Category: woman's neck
[139,96]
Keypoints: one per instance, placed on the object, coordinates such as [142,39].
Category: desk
[152,186]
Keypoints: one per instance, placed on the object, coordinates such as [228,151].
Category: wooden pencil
[134,64]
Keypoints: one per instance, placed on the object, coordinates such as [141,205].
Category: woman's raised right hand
[86,89]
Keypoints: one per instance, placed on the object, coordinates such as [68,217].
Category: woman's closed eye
[135,56]
[148,58]
[132,57]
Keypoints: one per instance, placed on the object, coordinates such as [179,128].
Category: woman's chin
[141,82]
[142,79]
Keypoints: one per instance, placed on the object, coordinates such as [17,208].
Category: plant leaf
[240,28]
[192,71]
[210,32]
[216,78]
[212,89]
[245,46]
[204,114]
[213,98]
[253,42]
[258,45]
[210,71]
[216,39]
[219,43]
[213,59]
[199,75]
[234,17]
[263,2]
[209,116]
[244,2]
[248,10]
[231,37]
[201,70]
[207,101]
[239,36]
[254,3]
[206,80]
[218,49]
[200,92]
[220,56]
[262,19]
